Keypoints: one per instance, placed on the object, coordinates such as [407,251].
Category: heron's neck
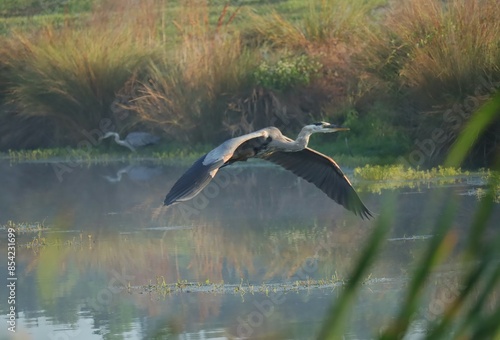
[299,144]
[303,139]
[117,138]
[123,142]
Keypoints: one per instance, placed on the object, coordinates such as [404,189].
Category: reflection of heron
[136,173]
[271,145]
[134,139]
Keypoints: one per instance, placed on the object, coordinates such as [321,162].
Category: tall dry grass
[440,48]
[324,22]
[70,75]
[185,91]
[437,57]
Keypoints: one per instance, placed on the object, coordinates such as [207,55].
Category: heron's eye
[319,124]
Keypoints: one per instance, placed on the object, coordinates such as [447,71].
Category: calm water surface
[260,254]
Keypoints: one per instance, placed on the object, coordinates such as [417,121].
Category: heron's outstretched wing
[138,139]
[192,181]
[323,172]
[204,169]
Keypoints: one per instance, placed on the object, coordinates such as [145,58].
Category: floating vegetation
[410,238]
[86,157]
[480,193]
[24,227]
[39,242]
[392,177]
[56,154]
[162,288]
[402,173]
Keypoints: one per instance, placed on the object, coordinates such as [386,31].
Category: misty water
[259,254]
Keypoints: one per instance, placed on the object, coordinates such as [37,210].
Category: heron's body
[134,139]
[270,144]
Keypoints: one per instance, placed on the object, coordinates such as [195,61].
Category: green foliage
[287,73]
[377,133]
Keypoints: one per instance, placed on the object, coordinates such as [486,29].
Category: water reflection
[136,172]
[82,278]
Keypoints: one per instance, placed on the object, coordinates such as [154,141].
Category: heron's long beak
[335,128]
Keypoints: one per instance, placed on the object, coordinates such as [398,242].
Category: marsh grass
[175,64]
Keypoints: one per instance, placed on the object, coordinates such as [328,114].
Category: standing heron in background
[270,144]
[134,139]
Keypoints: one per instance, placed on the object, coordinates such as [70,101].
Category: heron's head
[324,127]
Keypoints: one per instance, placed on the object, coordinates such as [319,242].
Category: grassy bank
[394,72]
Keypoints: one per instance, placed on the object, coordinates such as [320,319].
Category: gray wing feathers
[192,181]
[226,150]
[323,172]
[204,169]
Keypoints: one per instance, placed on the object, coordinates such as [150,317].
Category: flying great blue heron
[270,144]
[134,139]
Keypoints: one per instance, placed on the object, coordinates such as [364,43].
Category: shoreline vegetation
[404,76]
